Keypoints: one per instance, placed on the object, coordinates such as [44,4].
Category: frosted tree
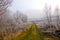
[4,5]
[20,17]
[57,16]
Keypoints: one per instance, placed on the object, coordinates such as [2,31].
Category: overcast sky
[28,5]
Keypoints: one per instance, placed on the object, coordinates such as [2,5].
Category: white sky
[25,5]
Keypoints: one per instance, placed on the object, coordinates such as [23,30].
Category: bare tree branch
[4,5]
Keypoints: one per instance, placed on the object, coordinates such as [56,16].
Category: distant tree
[46,12]
[20,17]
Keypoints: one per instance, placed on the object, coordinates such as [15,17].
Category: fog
[30,7]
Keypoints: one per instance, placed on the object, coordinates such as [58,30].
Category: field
[31,32]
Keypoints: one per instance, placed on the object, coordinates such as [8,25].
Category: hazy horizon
[29,6]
